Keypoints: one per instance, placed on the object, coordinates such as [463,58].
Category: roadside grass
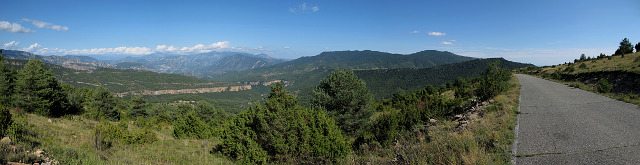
[628,63]
[486,140]
[625,97]
[70,140]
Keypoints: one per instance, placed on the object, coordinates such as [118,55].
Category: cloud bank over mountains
[133,51]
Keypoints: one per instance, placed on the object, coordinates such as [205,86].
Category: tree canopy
[283,131]
[39,91]
[345,97]
[625,47]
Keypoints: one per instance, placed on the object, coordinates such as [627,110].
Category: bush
[5,121]
[189,125]
[106,134]
[570,69]
[283,131]
[603,86]
[556,76]
[583,66]
[493,81]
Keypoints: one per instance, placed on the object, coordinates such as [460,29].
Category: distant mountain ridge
[365,59]
[198,64]
[69,61]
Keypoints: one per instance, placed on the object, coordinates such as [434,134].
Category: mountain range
[198,64]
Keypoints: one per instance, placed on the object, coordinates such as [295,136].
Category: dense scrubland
[469,121]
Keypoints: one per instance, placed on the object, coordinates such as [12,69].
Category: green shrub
[603,86]
[556,76]
[282,131]
[570,69]
[5,120]
[189,125]
[583,66]
[106,134]
[493,81]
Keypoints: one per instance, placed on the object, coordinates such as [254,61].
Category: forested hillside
[302,67]
[384,82]
[117,80]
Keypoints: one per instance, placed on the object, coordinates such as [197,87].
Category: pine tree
[38,91]
[625,47]
[102,104]
[7,82]
[346,98]
[283,132]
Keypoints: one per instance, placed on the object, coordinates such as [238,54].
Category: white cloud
[450,42]
[10,44]
[33,47]
[14,27]
[133,51]
[286,47]
[41,24]
[436,34]
[199,48]
[304,9]
[415,31]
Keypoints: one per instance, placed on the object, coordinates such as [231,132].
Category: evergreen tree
[102,104]
[493,81]
[7,82]
[346,98]
[283,131]
[38,91]
[625,47]
[137,106]
[5,120]
[638,47]
[583,57]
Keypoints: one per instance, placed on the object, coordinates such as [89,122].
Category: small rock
[433,120]
[39,152]
[50,121]
[6,140]
[458,117]
[431,128]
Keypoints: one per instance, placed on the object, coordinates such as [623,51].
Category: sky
[541,32]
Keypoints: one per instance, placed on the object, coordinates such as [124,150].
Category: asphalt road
[559,124]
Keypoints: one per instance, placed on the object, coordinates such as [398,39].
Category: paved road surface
[564,125]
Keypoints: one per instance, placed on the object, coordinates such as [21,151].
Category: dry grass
[487,140]
[628,63]
[71,141]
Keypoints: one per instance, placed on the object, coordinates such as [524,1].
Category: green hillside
[116,80]
[615,76]
[366,59]
[384,82]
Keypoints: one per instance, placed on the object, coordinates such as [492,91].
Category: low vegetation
[469,121]
[612,76]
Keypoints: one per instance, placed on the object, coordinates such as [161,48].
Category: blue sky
[542,32]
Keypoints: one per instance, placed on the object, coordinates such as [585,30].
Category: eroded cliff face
[186,91]
[266,83]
